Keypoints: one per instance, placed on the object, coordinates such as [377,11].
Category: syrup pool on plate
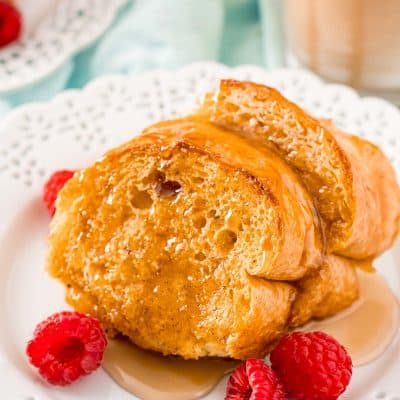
[151,376]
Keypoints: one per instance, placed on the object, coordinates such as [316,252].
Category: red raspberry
[67,346]
[312,366]
[254,380]
[10,23]
[51,188]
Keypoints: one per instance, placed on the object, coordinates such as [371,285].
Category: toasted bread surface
[217,233]
[329,169]
[170,240]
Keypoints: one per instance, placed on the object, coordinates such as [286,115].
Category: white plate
[67,28]
[77,127]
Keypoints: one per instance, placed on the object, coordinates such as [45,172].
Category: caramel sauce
[151,376]
[367,327]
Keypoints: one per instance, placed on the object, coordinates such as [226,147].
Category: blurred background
[355,42]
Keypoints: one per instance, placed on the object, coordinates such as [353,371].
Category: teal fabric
[168,34]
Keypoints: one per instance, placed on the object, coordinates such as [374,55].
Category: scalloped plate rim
[64,57]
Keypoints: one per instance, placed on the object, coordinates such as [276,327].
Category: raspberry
[312,366]
[10,23]
[67,346]
[254,380]
[51,188]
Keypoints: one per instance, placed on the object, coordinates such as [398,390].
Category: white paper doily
[77,127]
[71,26]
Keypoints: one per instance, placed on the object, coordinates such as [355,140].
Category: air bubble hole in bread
[195,240]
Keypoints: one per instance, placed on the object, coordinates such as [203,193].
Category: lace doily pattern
[71,26]
[87,120]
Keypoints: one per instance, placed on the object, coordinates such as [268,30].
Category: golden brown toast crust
[376,221]
[98,242]
[330,172]
[302,251]
[197,241]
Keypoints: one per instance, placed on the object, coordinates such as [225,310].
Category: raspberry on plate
[53,185]
[10,23]
[66,346]
[312,366]
[254,380]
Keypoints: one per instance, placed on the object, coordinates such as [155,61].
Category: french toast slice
[342,182]
[376,197]
[196,240]
[177,238]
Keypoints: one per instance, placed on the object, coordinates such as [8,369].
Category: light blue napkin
[160,33]
[167,34]
[241,39]
[5,108]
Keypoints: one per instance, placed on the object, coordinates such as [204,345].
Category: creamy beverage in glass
[356,42]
